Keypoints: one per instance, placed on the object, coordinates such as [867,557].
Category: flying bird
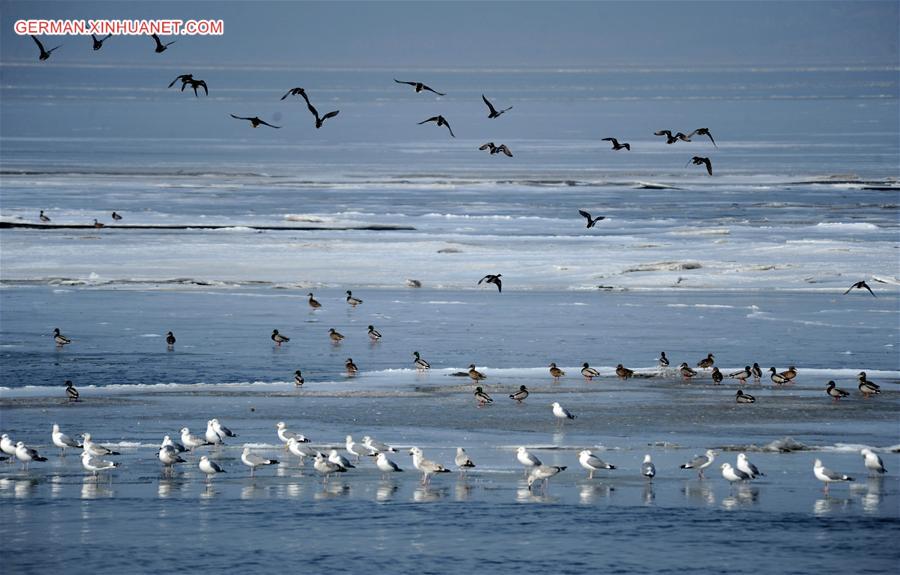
[699,161]
[44,53]
[160,47]
[440,122]
[255,121]
[670,139]
[616,146]
[860,285]
[591,221]
[98,42]
[419,86]
[493,111]
[183,78]
[496,149]
[701,132]
[196,84]
[296,92]
[493,279]
[314,112]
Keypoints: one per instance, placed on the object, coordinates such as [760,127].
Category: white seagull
[462,460]
[648,470]
[285,435]
[335,457]
[357,449]
[209,467]
[561,412]
[253,461]
[743,464]
[873,462]
[592,463]
[299,449]
[221,430]
[95,448]
[826,475]
[701,462]
[543,473]
[168,455]
[377,446]
[62,440]
[527,459]
[169,442]
[26,454]
[385,465]
[211,436]
[326,467]
[426,466]
[732,474]
[192,441]
[7,446]
[96,465]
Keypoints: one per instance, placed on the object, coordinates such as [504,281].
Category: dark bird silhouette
[116,216]
[255,121]
[670,139]
[71,392]
[493,279]
[699,161]
[314,112]
[419,86]
[44,53]
[702,132]
[196,84]
[616,145]
[591,222]
[493,111]
[97,224]
[170,339]
[184,79]
[160,47]
[296,92]
[43,218]
[440,122]
[98,42]
[496,149]
[857,285]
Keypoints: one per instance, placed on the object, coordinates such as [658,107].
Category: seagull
[493,279]
[867,387]
[299,449]
[95,448]
[873,462]
[358,449]
[313,302]
[60,339]
[741,397]
[420,363]
[592,463]
[475,374]
[616,146]
[776,377]
[255,121]
[561,412]
[212,437]
[296,92]
[520,395]
[441,121]
[253,461]
[209,467]
[589,372]
[556,373]
[860,285]
[743,464]
[170,339]
[543,473]
[98,42]
[732,474]
[43,217]
[463,461]
[7,446]
[742,374]
[353,301]
[351,367]
[335,336]
[496,149]
[717,376]
[62,440]
[481,397]
[494,113]
[221,430]
[160,47]
[168,455]
[527,459]
[701,462]
[298,378]
[374,334]
[699,160]
[670,139]
[27,454]
[314,112]
[686,371]
[177,446]
[192,441]
[826,475]
[419,86]
[756,371]
[44,53]
[326,467]
[701,132]
[385,465]
[648,470]
[591,222]
[624,372]
[96,465]
[377,446]
[71,392]
[707,362]
[834,392]
[285,436]
[426,466]
[278,338]
[338,459]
